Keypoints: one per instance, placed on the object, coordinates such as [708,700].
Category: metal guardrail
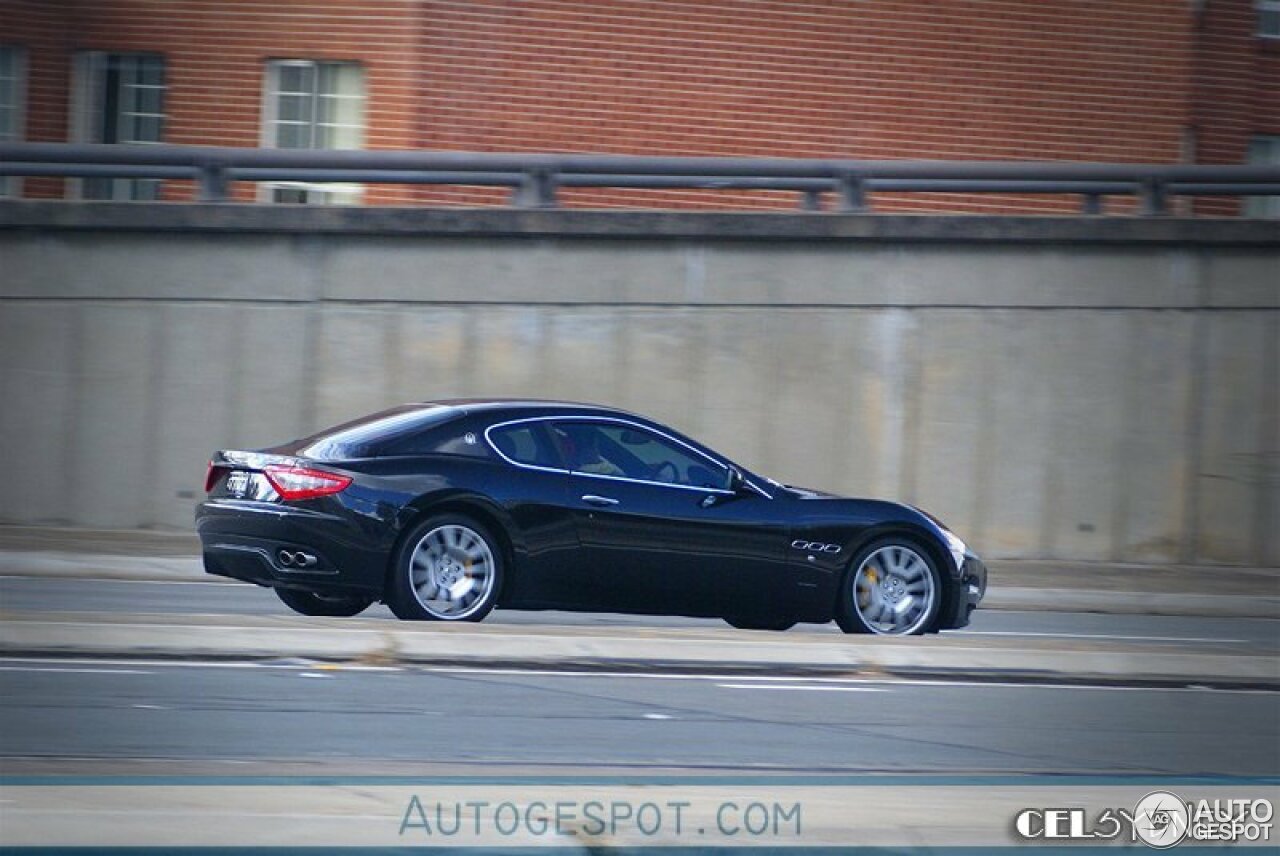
[534,178]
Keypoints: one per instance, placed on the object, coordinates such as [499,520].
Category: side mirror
[735,482]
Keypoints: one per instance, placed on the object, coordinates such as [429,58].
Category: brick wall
[1236,89]
[41,29]
[1120,80]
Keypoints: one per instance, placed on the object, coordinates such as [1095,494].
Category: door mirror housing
[734,481]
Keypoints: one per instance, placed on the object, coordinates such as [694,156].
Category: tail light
[303,482]
[211,475]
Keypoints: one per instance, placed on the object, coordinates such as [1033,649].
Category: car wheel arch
[474,507]
[896,529]
[899,529]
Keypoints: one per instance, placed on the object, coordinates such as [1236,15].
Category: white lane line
[201,664]
[753,680]
[830,688]
[1094,636]
[84,671]
[662,676]
[54,578]
[886,682]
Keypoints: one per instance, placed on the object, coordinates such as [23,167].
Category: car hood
[810,493]
[835,506]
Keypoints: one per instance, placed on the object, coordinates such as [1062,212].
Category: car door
[659,530]
[534,491]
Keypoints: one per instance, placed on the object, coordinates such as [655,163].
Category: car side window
[525,444]
[611,449]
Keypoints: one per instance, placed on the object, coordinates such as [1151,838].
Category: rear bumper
[967,593]
[245,540]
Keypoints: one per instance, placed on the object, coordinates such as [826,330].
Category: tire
[310,603]
[448,568]
[891,588]
[775,624]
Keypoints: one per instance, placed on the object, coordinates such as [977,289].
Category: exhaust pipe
[297,560]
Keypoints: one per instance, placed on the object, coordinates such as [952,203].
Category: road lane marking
[81,671]
[1096,636]
[201,664]
[57,578]
[830,688]
[662,676]
[752,680]
[888,682]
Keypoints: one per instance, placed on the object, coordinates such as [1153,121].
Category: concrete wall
[1110,395]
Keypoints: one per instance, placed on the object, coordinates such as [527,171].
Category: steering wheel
[665,472]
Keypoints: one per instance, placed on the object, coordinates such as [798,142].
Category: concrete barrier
[1077,389]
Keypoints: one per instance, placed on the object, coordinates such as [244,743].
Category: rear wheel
[892,588]
[775,624]
[449,568]
[336,606]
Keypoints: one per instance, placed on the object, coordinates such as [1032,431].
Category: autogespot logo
[1161,819]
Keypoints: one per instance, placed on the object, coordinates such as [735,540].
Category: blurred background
[1078,388]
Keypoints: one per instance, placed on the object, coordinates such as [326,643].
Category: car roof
[527,407]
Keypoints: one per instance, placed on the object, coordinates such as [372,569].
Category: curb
[1031,599]
[708,651]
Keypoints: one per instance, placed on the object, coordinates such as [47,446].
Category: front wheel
[892,588]
[449,568]
[335,606]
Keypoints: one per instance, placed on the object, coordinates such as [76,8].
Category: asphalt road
[1223,635]
[271,715]
[263,716]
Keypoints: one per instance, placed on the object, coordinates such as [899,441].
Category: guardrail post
[1092,204]
[853,193]
[811,200]
[213,182]
[1154,198]
[537,189]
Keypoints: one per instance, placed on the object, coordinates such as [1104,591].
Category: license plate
[238,483]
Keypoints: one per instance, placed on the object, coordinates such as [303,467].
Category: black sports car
[447,509]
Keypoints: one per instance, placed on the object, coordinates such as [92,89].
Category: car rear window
[370,436]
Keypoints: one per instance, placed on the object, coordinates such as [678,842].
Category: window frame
[543,436]
[268,136]
[1262,207]
[664,442]
[88,105]
[565,469]
[1262,7]
[11,185]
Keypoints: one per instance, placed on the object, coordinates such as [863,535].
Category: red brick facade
[1109,80]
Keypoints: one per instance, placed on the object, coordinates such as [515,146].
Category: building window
[313,105]
[119,98]
[1269,19]
[12,108]
[1263,151]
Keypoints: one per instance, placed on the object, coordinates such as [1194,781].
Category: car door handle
[592,499]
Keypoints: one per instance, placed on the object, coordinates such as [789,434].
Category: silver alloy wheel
[894,591]
[452,571]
